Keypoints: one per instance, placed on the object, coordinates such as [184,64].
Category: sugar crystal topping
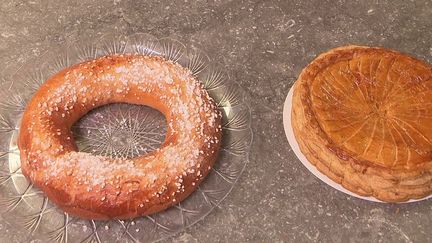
[89,86]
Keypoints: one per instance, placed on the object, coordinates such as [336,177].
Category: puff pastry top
[364,117]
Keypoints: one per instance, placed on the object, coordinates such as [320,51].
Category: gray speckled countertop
[264,44]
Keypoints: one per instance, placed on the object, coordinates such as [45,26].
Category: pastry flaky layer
[363,117]
[98,187]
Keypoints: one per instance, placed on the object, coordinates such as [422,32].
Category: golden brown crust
[97,187]
[362,116]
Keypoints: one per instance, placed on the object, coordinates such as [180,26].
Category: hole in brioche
[120,130]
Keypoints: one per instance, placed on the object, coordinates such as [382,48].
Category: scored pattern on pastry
[362,116]
[378,108]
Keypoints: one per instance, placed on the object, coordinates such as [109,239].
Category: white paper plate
[295,147]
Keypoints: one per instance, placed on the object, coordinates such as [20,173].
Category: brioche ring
[98,187]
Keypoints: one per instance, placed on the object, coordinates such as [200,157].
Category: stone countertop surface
[264,45]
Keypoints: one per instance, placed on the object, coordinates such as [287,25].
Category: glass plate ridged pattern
[118,130]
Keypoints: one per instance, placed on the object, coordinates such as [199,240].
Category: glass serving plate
[118,130]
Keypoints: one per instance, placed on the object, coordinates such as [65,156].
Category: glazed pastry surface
[363,117]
